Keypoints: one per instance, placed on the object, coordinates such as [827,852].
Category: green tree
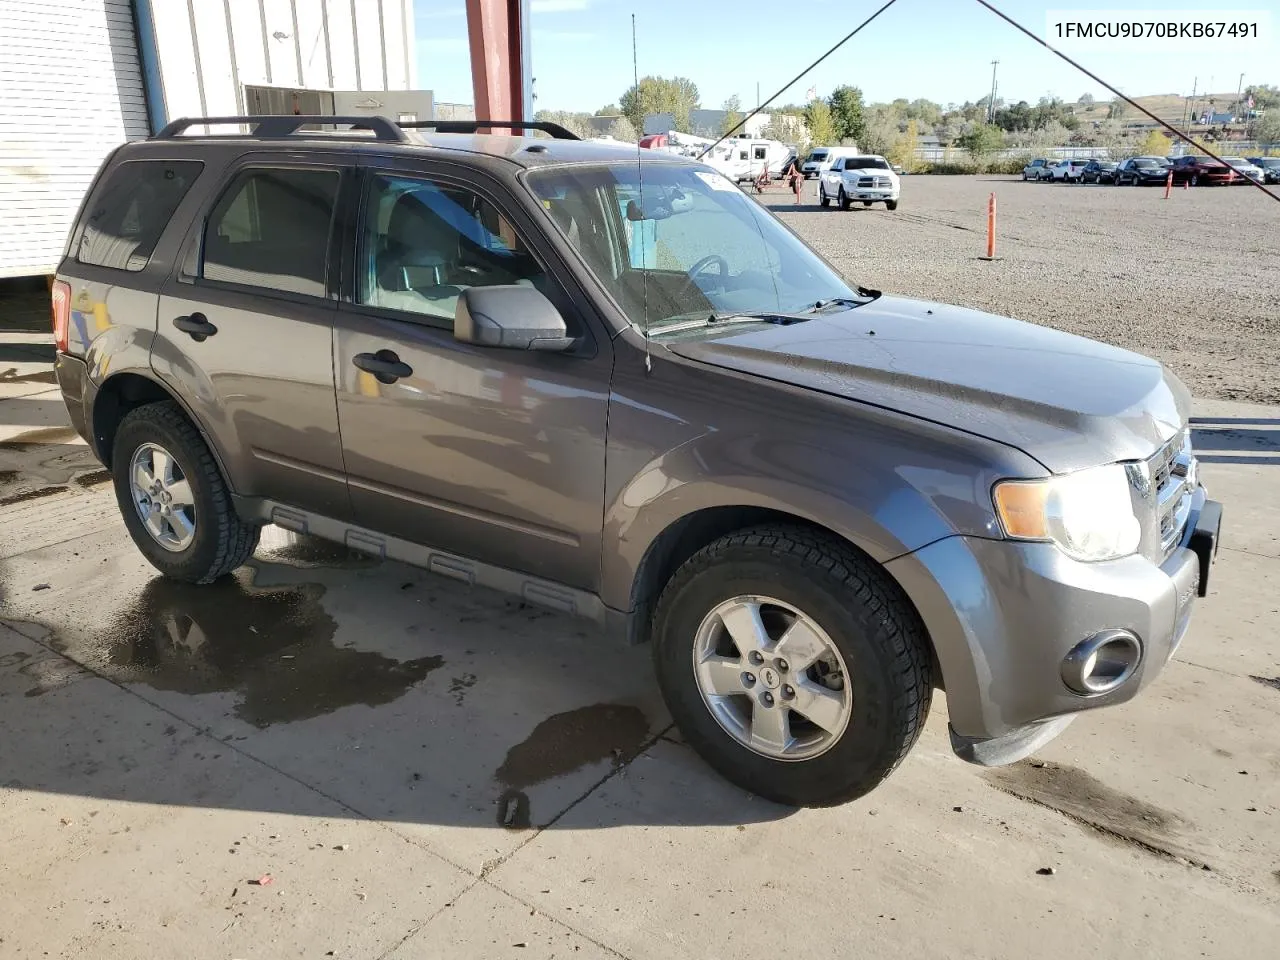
[732,114]
[1117,109]
[903,151]
[575,123]
[1156,145]
[1266,129]
[847,113]
[880,130]
[1266,96]
[608,110]
[677,96]
[981,140]
[822,131]
[1086,100]
[621,129]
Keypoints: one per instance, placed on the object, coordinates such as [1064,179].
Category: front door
[245,331]
[496,455]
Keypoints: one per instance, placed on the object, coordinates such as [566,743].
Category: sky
[937,49]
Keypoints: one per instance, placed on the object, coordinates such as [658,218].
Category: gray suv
[613,384]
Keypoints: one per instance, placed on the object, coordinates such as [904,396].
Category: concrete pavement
[412,769]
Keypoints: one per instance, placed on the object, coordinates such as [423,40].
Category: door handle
[385,366]
[197,324]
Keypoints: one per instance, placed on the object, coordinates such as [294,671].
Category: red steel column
[496,33]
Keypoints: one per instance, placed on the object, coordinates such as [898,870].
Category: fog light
[1101,663]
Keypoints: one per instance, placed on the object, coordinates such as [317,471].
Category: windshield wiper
[690,321]
[847,303]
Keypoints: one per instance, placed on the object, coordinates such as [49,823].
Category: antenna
[644,267]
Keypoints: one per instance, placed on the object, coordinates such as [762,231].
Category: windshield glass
[818,155]
[865,163]
[691,245]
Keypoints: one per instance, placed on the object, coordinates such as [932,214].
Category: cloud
[558,6]
[441,44]
[563,36]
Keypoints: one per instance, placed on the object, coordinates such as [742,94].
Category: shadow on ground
[1242,440]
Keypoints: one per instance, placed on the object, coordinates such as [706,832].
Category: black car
[1140,171]
[1099,171]
[1270,167]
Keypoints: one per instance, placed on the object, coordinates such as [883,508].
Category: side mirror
[517,317]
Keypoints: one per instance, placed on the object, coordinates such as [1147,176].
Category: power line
[796,79]
[1137,106]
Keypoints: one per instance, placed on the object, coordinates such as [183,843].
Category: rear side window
[131,208]
[271,229]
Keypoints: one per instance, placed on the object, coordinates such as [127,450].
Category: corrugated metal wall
[70,92]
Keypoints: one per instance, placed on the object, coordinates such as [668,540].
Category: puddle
[26,495]
[38,438]
[1083,797]
[44,376]
[272,646]
[302,550]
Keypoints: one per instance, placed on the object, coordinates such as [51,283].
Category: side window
[271,229]
[838,166]
[758,153]
[423,243]
[130,210]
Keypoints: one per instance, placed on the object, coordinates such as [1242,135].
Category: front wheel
[822,197]
[793,665]
[173,499]
[1195,179]
[891,204]
[843,200]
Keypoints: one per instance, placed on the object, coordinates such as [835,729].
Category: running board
[542,593]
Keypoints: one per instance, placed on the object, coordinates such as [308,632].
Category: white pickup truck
[865,179]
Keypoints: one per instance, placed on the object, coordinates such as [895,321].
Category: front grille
[881,183]
[1173,481]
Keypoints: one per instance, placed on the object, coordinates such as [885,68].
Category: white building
[79,77]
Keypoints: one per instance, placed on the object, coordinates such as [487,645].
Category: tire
[823,200]
[219,541]
[866,203]
[1024,176]
[843,200]
[859,611]
[891,204]
[1195,179]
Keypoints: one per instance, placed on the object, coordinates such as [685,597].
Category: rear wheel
[173,499]
[792,664]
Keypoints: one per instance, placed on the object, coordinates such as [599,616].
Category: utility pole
[991,107]
[1191,104]
[1239,90]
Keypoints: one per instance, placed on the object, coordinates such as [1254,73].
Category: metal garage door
[70,92]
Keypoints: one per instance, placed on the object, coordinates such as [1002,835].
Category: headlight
[1089,514]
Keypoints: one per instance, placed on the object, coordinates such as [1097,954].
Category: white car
[1246,169]
[823,159]
[1068,170]
[864,179]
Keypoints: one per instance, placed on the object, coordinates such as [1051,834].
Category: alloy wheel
[162,496]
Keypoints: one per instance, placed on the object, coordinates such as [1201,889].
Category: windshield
[690,246]
[818,155]
[865,163]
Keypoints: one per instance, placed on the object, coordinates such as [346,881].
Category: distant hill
[1169,107]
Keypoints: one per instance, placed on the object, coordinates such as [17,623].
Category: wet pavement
[328,756]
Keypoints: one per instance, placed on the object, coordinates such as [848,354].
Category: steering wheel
[699,268]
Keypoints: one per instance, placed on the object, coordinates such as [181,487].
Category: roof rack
[272,127]
[471,126]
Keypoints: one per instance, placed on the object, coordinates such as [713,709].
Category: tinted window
[130,210]
[867,163]
[423,243]
[271,229]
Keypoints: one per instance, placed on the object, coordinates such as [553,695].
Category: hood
[1066,401]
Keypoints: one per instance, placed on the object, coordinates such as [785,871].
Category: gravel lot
[1194,280]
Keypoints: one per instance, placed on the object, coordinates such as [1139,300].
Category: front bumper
[1003,615]
[870,193]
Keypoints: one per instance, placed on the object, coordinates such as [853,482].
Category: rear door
[244,332]
[496,455]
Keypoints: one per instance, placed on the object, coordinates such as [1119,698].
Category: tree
[621,129]
[1266,129]
[1086,100]
[1156,145]
[609,110]
[880,130]
[575,123]
[946,134]
[1116,110]
[677,96]
[1266,96]
[903,151]
[981,140]
[846,113]
[822,130]
[732,114]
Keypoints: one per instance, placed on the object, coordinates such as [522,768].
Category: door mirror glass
[514,316]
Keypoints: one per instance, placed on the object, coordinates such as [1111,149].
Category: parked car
[1270,167]
[1068,171]
[1143,171]
[1099,171]
[459,352]
[1246,170]
[821,159]
[1037,169]
[864,179]
[1198,170]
